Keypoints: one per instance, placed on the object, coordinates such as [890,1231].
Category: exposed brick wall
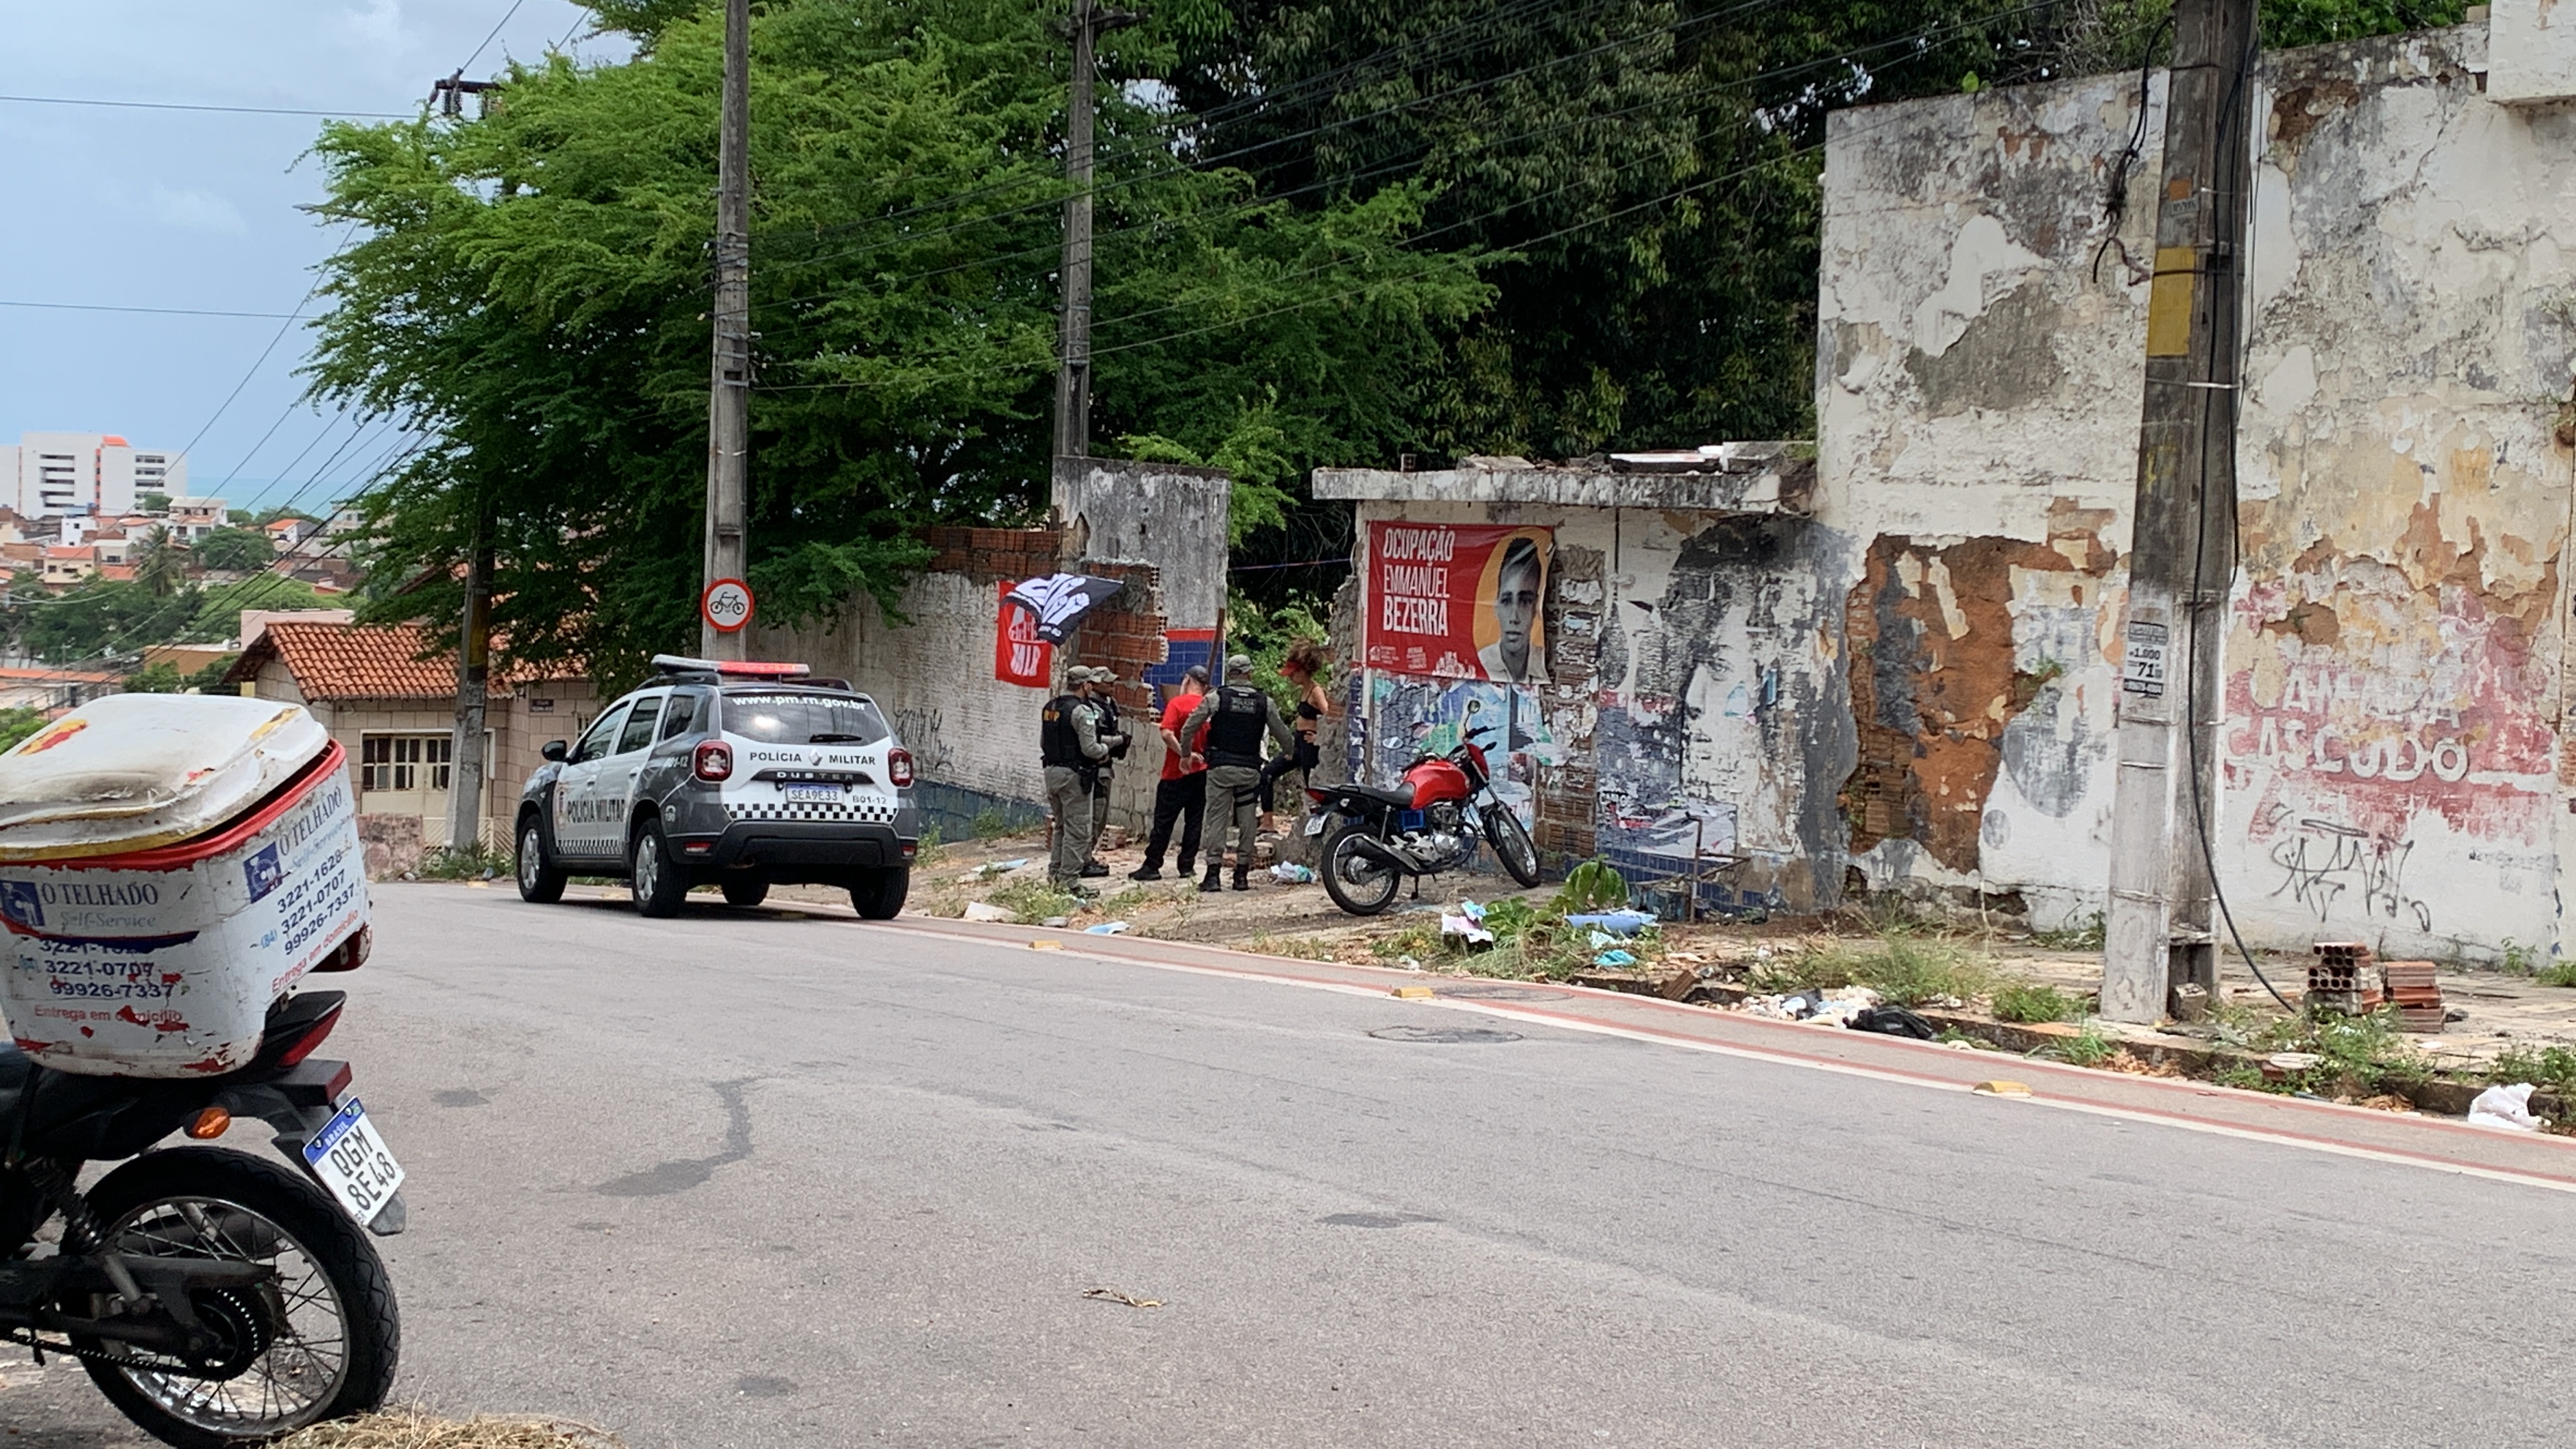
[994,554]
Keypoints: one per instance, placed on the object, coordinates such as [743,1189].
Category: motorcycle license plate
[351,1161]
[814,794]
[1315,823]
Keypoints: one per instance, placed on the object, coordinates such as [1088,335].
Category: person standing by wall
[1235,717]
[1114,731]
[1182,795]
[1306,667]
[1071,749]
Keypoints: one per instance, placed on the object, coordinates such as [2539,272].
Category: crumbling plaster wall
[2393,667]
[1684,704]
[1979,362]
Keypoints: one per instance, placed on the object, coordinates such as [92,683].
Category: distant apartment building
[49,475]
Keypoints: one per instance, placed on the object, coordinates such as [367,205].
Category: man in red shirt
[1182,795]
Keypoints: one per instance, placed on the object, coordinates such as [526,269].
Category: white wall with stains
[2392,761]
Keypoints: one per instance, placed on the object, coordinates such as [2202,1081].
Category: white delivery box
[170,865]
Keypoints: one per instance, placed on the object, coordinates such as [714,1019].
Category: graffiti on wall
[2324,865]
[1417,716]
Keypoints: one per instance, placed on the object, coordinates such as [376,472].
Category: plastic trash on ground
[1105,928]
[2504,1108]
[997,867]
[1467,926]
[1834,1009]
[1614,958]
[987,911]
[1617,923]
[169,866]
[1288,873]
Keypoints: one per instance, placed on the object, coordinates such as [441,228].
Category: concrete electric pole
[473,683]
[2182,561]
[729,395]
[1073,375]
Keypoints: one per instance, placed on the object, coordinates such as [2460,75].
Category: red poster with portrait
[1459,600]
[1019,655]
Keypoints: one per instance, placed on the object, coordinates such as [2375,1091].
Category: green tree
[158,677]
[531,287]
[234,550]
[160,566]
[1648,168]
[17,724]
[152,502]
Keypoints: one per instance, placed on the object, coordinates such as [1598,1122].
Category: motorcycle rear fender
[117,1125]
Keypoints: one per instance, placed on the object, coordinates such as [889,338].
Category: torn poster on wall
[1417,716]
[1459,601]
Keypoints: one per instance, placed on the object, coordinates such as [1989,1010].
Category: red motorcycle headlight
[712,760]
[899,768]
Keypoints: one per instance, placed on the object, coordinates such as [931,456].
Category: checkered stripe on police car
[865,810]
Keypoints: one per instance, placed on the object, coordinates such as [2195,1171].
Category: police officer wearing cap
[1236,716]
[1103,700]
[1072,748]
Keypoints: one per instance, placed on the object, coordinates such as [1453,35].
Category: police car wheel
[877,895]
[658,883]
[540,882]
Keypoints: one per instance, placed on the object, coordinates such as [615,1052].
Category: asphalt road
[781,1181]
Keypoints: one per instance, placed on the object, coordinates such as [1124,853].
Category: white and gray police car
[743,775]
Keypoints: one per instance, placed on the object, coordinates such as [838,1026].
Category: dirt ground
[2498,1011]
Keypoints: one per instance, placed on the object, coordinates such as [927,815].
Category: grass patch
[1418,938]
[2089,1047]
[1126,900]
[931,851]
[2561,973]
[470,862]
[991,824]
[1032,902]
[2088,935]
[1297,948]
[2028,1001]
[2552,1069]
[1904,969]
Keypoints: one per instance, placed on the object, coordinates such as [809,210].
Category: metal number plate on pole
[726,606]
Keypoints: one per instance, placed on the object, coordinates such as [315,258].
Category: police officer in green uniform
[1072,748]
[1236,717]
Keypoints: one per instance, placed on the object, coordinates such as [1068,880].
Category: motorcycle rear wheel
[1356,883]
[1512,845]
[331,1334]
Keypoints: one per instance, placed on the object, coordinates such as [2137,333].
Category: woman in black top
[1307,666]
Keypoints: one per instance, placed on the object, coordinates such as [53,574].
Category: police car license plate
[351,1161]
[813,794]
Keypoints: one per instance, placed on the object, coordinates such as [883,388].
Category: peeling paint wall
[2393,766]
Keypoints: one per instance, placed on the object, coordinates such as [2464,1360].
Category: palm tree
[160,569]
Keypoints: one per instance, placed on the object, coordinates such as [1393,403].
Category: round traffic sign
[726,605]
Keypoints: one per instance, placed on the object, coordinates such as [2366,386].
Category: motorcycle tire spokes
[287,1351]
[1357,883]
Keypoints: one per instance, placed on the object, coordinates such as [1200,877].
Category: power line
[149,311]
[495,35]
[195,106]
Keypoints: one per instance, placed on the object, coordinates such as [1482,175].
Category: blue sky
[181,209]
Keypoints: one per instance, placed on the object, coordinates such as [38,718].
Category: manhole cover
[1444,1034]
[1500,993]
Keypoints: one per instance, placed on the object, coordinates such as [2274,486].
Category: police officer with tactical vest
[1236,716]
[1073,748]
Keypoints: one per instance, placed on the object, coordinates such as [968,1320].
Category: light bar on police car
[674,664]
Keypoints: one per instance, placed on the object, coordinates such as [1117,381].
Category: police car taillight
[712,760]
[899,768]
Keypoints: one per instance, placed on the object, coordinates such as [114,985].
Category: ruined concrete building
[1902,673]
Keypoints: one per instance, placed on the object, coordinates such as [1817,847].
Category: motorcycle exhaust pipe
[1387,855]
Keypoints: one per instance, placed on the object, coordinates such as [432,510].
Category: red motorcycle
[1375,839]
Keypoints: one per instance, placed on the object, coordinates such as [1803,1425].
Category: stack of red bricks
[1126,633]
[2341,979]
[2415,994]
[995,553]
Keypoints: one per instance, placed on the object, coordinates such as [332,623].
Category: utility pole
[1073,375]
[473,680]
[2160,931]
[729,392]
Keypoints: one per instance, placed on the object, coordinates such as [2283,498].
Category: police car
[726,773]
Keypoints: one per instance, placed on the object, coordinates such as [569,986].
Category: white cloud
[190,209]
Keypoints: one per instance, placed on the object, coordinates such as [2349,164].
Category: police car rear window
[803,719]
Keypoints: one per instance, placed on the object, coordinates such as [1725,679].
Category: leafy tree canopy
[236,550]
[103,619]
[531,289]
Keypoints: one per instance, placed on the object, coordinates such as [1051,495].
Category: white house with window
[389,698]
